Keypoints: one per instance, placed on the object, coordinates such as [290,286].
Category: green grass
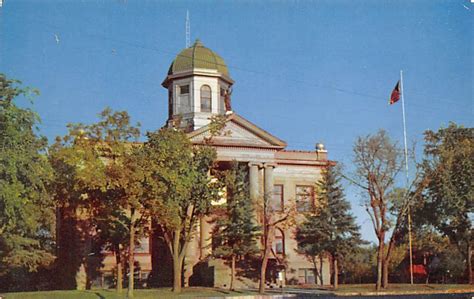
[111,294]
[401,287]
[213,292]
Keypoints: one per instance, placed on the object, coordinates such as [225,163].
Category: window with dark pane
[206,98]
[183,104]
[279,244]
[222,100]
[277,198]
[304,198]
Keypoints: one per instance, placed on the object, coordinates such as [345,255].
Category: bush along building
[199,90]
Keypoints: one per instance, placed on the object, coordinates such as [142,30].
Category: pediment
[237,132]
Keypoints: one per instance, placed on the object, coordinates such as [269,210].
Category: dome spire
[198,43]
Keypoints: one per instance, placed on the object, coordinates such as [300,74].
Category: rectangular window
[183,103]
[304,198]
[222,101]
[310,276]
[301,276]
[277,198]
[306,276]
[143,246]
[184,89]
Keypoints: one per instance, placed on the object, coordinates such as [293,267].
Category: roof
[198,57]
[266,140]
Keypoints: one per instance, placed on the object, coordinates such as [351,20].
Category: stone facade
[271,168]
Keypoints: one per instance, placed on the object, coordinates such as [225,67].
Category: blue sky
[306,71]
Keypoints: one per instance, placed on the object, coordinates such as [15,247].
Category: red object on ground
[419,270]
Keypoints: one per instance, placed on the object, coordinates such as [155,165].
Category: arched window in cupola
[206,98]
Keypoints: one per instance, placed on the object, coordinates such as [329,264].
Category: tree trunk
[321,269]
[266,253]
[336,273]
[177,268]
[385,273]
[469,263]
[118,261]
[386,260]
[380,253]
[263,271]
[232,273]
[177,262]
[317,275]
[131,255]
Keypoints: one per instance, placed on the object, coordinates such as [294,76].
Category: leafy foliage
[26,210]
[179,184]
[448,203]
[235,231]
[97,181]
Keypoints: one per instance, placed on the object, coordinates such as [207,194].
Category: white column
[268,186]
[254,187]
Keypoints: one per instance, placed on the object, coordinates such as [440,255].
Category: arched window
[279,243]
[206,98]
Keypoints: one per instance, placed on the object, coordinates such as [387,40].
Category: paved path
[324,294]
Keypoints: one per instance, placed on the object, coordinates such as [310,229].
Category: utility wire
[267,74]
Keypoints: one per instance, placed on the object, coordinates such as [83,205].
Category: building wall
[291,176]
[195,116]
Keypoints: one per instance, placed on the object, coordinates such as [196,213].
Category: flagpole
[407,178]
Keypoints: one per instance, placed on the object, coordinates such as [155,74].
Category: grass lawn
[402,287]
[111,294]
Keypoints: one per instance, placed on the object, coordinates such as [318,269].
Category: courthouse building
[198,82]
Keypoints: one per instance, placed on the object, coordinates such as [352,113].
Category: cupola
[197,82]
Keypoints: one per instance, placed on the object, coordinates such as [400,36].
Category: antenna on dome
[188,30]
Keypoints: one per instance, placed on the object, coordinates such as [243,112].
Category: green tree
[26,209]
[98,182]
[177,178]
[331,227]
[359,267]
[235,233]
[448,200]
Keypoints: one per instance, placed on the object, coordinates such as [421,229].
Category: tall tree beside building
[331,227]
[235,232]
[448,202]
[177,176]
[26,210]
[273,218]
[96,184]
[378,161]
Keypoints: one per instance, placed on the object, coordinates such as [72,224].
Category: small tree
[378,161]
[271,219]
[235,233]
[177,178]
[331,227]
[113,231]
